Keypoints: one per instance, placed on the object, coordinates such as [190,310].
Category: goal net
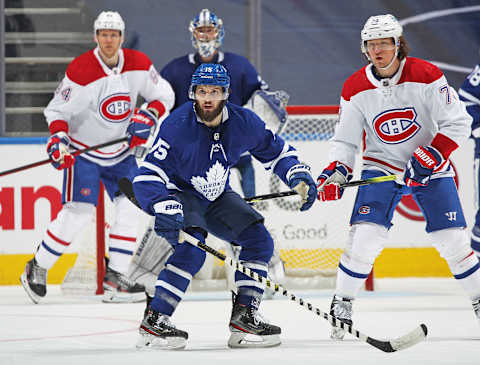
[310,243]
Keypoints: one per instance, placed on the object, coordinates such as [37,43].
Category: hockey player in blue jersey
[207,35]
[469,93]
[184,183]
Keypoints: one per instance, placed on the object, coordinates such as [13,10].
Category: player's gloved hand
[57,149]
[142,123]
[329,181]
[300,180]
[168,218]
[420,167]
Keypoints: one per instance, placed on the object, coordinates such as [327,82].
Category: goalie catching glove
[57,149]
[420,167]
[300,180]
[331,178]
[168,218]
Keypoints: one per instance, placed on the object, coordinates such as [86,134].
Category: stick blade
[401,343]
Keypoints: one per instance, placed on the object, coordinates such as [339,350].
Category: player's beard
[209,116]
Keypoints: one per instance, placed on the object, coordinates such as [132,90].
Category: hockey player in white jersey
[93,104]
[184,183]
[411,120]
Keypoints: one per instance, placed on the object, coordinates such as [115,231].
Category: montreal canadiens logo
[396,125]
[116,108]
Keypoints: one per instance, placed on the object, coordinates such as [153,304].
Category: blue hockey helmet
[210,74]
[206,47]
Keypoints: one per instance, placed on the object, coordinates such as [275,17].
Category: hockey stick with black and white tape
[400,343]
[282,194]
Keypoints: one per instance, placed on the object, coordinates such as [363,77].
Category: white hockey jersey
[416,107]
[95,102]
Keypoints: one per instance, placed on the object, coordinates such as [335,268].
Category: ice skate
[34,281]
[156,332]
[476,308]
[341,308]
[249,329]
[120,289]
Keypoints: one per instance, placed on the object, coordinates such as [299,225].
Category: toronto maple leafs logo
[214,184]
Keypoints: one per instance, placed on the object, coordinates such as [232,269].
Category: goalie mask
[210,74]
[207,33]
[381,26]
[109,20]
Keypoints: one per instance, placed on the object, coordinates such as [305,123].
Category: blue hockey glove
[420,167]
[329,181]
[300,180]
[168,218]
[57,149]
[142,123]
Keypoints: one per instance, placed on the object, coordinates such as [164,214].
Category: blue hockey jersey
[469,93]
[189,156]
[244,79]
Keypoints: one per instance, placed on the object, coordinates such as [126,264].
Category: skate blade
[249,340]
[34,297]
[337,334]
[148,341]
[113,296]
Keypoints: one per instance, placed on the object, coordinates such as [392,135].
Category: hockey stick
[76,153]
[396,344]
[400,343]
[372,180]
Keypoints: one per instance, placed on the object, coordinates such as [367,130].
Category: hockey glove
[329,181]
[300,180]
[421,165]
[57,149]
[168,218]
[142,123]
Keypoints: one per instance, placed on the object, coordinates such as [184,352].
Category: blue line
[23,140]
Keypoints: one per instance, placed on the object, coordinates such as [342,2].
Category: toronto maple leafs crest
[214,184]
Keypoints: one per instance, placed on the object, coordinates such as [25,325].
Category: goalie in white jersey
[410,120]
[92,105]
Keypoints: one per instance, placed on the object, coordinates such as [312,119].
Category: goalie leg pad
[452,244]
[149,259]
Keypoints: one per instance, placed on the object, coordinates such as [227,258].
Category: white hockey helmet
[381,26]
[109,20]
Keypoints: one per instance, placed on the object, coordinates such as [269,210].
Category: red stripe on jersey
[85,69]
[421,71]
[123,238]
[58,126]
[122,147]
[444,145]
[135,61]
[366,158]
[355,84]
[56,239]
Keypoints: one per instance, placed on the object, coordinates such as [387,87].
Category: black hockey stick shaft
[400,343]
[410,339]
[76,153]
[373,180]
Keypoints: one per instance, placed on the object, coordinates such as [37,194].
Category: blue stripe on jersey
[119,250]
[352,273]
[468,272]
[51,250]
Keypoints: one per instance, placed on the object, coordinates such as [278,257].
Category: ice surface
[83,330]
